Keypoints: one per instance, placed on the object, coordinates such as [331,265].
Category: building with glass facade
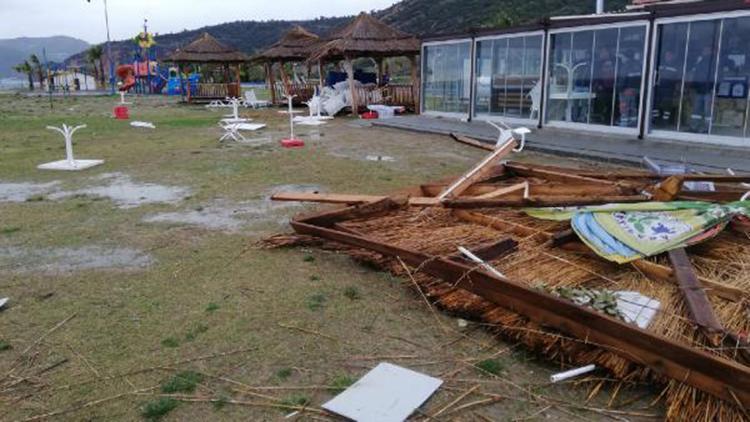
[675,70]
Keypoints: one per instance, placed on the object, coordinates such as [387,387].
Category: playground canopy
[366,36]
[294,46]
[208,50]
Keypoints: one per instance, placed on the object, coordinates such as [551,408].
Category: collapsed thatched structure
[294,46]
[366,36]
[208,50]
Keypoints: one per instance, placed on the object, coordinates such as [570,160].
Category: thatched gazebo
[366,36]
[208,50]
[294,46]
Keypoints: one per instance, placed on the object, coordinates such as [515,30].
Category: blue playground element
[176,86]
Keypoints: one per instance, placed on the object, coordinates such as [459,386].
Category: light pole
[109,50]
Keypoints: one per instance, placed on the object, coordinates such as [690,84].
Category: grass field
[137,290]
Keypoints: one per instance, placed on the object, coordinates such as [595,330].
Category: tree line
[35,73]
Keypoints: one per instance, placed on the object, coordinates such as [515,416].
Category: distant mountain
[15,50]
[420,17]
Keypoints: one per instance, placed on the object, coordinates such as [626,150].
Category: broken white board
[249,126]
[147,125]
[636,308]
[3,301]
[75,165]
[386,393]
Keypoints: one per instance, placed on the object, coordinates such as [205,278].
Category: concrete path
[606,148]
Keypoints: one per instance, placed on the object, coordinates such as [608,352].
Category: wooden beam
[700,309]
[559,176]
[472,142]
[349,67]
[325,198]
[543,189]
[518,187]
[477,173]
[714,375]
[541,201]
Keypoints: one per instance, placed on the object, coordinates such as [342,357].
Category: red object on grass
[292,143]
[121,113]
[369,115]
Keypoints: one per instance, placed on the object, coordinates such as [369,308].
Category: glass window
[508,75]
[701,79]
[596,76]
[730,100]
[446,77]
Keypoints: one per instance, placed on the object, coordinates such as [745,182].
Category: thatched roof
[295,45]
[366,36]
[207,49]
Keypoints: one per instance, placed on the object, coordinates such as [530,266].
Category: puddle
[65,260]
[21,192]
[232,216]
[126,193]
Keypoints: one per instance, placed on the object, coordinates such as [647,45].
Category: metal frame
[514,120]
[454,115]
[588,126]
[737,141]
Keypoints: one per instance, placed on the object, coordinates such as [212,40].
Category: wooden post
[188,86]
[415,82]
[285,79]
[271,82]
[379,63]
[321,75]
[238,73]
[352,90]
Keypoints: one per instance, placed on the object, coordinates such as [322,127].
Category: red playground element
[292,143]
[370,115]
[126,72]
[121,113]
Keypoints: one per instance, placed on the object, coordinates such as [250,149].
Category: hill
[16,50]
[420,17]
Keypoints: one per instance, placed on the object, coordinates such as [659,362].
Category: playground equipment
[69,163]
[126,73]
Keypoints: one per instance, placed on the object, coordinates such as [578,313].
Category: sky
[84,20]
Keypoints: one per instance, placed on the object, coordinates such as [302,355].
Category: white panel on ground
[636,308]
[386,393]
[67,165]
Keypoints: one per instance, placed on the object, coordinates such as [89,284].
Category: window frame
[425,45]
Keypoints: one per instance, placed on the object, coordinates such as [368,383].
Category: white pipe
[481,262]
[562,376]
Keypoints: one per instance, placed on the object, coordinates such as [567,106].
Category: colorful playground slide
[126,73]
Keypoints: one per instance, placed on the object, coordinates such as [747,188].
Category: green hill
[420,17]
[16,50]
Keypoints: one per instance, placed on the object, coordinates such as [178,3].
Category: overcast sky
[80,19]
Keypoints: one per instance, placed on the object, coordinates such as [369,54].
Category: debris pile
[674,316]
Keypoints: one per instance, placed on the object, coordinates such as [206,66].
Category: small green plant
[212,307]
[308,258]
[157,409]
[35,198]
[352,293]
[4,345]
[314,278]
[182,382]
[284,373]
[316,302]
[193,333]
[340,383]
[296,400]
[492,366]
[10,230]
[170,342]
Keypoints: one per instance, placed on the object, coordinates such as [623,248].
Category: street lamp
[109,50]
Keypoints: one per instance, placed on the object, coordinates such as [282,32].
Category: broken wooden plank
[528,171]
[479,172]
[714,375]
[700,309]
[518,187]
[541,201]
[668,189]
[326,198]
[329,217]
[472,142]
[548,188]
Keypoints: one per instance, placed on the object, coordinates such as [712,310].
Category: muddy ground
[131,278]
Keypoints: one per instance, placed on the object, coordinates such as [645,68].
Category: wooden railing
[395,95]
[303,91]
[215,91]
